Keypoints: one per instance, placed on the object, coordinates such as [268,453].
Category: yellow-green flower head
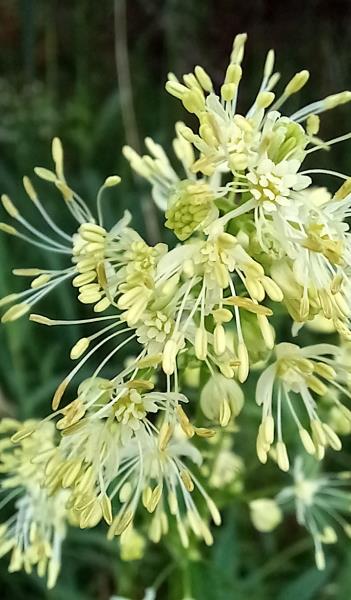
[315,249]
[115,450]
[98,429]
[191,208]
[285,141]
[35,532]
[208,270]
[136,282]
[100,399]
[141,258]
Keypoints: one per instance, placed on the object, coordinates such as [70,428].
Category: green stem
[276,562]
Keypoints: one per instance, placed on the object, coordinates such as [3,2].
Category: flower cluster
[35,532]
[254,236]
[321,502]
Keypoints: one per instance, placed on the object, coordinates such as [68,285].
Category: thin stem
[341,138]
[127,108]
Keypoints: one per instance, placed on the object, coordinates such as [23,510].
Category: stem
[128,110]
[276,562]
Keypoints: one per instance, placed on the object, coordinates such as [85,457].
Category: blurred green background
[93,73]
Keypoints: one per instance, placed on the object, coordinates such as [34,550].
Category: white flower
[271,184]
[154,473]
[299,371]
[35,532]
[322,501]
[88,248]
[155,330]
[221,399]
[213,263]
[312,266]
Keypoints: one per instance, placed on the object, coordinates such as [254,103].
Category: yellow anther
[28,186]
[204,79]
[8,229]
[9,206]
[45,174]
[296,83]
[337,99]
[15,312]
[57,155]
[112,180]
[79,348]
[312,124]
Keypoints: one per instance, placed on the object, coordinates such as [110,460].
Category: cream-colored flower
[270,184]
[213,268]
[92,249]
[221,399]
[156,475]
[227,141]
[99,428]
[306,374]
[36,530]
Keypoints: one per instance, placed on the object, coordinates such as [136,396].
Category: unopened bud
[265,514]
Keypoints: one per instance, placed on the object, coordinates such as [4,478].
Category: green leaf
[307,585]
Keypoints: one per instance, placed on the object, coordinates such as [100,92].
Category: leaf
[307,585]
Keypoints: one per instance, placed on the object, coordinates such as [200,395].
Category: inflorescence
[254,236]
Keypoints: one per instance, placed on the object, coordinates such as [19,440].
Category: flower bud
[265,514]
[221,399]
